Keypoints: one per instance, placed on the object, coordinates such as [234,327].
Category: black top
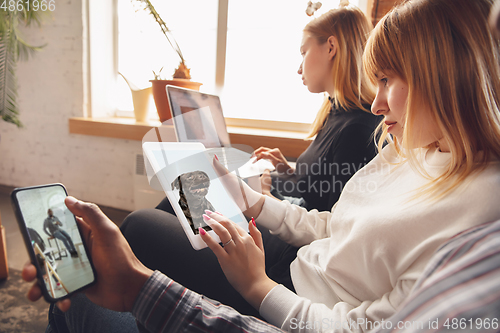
[343,146]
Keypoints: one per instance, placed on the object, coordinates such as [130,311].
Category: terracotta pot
[160,94]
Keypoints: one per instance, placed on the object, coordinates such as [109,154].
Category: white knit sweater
[360,261]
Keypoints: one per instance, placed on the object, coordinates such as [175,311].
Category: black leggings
[158,240]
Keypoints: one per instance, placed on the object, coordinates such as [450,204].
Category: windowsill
[290,142]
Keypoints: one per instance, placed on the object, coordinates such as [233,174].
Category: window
[262,53]
[142,48]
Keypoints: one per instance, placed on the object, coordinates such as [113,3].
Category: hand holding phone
[53,240]
[120,275]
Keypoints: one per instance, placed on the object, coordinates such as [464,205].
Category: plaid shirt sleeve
[166,306]
[459,289]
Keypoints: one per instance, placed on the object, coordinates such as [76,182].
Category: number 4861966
[28,5]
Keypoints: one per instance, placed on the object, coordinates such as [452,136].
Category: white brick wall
[50,91]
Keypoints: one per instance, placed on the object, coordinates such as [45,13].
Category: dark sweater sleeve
[354,148]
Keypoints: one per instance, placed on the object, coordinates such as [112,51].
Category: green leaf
[13,48]
[8,84]
[166,31]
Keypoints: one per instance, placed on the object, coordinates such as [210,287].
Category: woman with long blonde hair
[436,67]
[332,49]
[453,90]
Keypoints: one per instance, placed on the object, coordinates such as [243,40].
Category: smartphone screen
[53,240]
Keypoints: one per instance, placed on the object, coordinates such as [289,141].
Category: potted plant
[181,77]
[12,49]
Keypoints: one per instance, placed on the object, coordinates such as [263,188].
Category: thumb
[90,212]
[256,235]
[220,169]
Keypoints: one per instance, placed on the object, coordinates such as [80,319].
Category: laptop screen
[197,117]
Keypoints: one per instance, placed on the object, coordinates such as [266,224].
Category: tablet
[186,175]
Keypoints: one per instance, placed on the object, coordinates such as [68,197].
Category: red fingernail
[253,221]
[202,231]
[216,157]
[206,217]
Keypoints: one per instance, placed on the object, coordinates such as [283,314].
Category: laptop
[198,117]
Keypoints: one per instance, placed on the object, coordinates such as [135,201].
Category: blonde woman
[436,67]
[332,49]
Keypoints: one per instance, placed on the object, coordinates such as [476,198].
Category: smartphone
[53,240]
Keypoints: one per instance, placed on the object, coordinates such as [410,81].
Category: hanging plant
[13,48]
[182,71]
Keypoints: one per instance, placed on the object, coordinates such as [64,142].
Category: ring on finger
[227,243]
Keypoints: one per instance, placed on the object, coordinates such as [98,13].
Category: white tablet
[187,177]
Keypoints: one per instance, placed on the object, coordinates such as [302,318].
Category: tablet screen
[191,184]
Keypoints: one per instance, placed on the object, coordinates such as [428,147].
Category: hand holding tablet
[190,183]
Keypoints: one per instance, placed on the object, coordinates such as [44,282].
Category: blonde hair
[445,52]
[352,89]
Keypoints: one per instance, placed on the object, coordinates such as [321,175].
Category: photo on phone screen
[51,231]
